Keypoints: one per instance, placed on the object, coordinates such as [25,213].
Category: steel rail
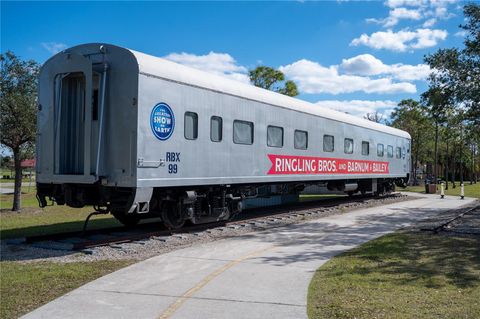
[118,235]
[444,225]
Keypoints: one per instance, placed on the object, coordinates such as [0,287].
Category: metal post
[462,191]
[442,191]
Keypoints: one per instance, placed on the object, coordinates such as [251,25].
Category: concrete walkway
[7,188]
[258,275]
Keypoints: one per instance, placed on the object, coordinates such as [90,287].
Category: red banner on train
[287,164]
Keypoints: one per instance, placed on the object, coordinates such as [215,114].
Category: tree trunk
[453,167]
[435,169]
[446,169]
[415,161]
[414,173]
[18,180]
[472,164]
[461,165]
[475,175]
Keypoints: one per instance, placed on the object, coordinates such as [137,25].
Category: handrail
[100,129]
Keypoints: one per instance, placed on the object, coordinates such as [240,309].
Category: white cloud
[363,73]
[367,64]
[461,34]
[363,64]
[217,63]
[314,78]
[402,3]
[401,40]
[419,3]
[429,10]
[53,47]
[429,23]
[385,40]
[408,72]
[427,38]
[396,15]
[404,13]
[440,10]
[360,107]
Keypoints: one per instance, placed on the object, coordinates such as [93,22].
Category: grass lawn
[400,275]
[28,199]
[25,287]
[470,190]
[11,174]
[33,220]
[6,172]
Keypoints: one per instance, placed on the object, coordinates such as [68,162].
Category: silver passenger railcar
[141,136]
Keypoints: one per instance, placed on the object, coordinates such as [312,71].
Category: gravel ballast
[149,247]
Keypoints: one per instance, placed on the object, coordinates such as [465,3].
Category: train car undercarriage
[196,205]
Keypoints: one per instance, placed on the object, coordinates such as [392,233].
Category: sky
[352,56]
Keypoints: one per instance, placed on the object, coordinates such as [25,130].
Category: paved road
[258,275]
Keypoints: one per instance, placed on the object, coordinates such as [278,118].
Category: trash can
[427,189]
[432,188]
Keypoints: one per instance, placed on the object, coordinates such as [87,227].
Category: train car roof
[169,70]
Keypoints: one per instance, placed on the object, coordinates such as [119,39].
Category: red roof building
[29,163]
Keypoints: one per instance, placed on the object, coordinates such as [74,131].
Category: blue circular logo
[162,121]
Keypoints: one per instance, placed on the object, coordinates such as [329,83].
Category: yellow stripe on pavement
[181,300]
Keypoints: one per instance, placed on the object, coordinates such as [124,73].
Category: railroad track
[100,237]
[257,217]
[452,223]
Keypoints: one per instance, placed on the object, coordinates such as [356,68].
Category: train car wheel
[172,215]
[128,220]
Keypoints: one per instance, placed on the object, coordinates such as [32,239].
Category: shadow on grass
[57,228]
[418,257]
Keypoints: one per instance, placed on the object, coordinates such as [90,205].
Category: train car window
[380,150]
[365,148]
[242,132]
[390,151]
[399,152]
[328,143]
[348,146]
[216,127]
[300,140]
[275,136]
[191,126]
